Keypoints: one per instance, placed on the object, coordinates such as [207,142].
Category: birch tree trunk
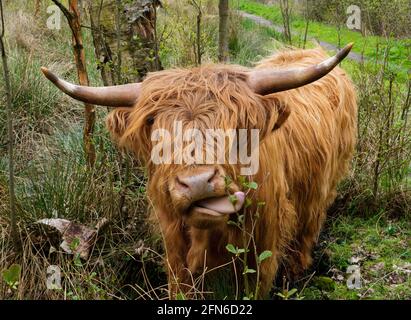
[125,39]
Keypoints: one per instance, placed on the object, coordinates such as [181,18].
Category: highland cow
[304,107]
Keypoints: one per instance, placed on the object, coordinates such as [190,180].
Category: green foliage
[12,275]
[246,223]
[399,49]
[248,270]
[178,26]
[287,294]
[382,254]
[264,255]
[378,17]
[324,283]
[180,296]
[247,185]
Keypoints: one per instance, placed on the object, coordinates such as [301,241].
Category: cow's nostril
[197,183]
[182,184]
[214,175]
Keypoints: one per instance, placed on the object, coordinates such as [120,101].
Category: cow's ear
[283,112]
[277,113]
[117,122]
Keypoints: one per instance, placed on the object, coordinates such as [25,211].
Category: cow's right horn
[116,96]
[267,81]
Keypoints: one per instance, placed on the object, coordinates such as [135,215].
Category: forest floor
[376,249]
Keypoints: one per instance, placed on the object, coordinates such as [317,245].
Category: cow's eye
[150,120]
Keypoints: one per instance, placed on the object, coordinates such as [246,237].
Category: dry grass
[53,181]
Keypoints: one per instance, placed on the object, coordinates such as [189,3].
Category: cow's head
[151,116]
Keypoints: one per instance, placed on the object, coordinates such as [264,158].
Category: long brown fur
[307,141]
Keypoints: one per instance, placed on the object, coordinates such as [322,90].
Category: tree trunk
[126,46]
[80,58]
[125,39]
[199,51]
[73,19]
[286,15]
[307,22]
[223,9]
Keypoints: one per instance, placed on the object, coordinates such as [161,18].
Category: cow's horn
[264,81]
[116,96]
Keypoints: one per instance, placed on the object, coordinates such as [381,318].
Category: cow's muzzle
[206,199]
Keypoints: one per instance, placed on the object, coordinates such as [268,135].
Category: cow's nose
[199,184]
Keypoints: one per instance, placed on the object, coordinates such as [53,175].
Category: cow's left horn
[264,81]
[116,96]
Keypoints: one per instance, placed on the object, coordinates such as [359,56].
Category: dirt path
[264,22]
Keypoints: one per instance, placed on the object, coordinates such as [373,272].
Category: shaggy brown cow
[307,138]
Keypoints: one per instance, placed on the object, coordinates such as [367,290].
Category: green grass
[381,248]
[253,43]
[399,48]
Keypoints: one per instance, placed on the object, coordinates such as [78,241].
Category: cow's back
[303,161]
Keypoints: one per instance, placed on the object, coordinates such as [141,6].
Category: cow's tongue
[224,205]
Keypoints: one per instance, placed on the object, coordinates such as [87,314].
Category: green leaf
[232,223]
[233,199]
[253,185]
[77,260]
[74,244]
[227,181]
[291,292]
[324,283]
[241,180]
[240,219]
[180,296]
[249,270]
[264,255]
[248,203]
[231,248]
[12,275]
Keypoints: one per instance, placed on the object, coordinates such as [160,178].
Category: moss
[381,249]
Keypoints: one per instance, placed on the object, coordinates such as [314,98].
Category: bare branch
[63,9]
